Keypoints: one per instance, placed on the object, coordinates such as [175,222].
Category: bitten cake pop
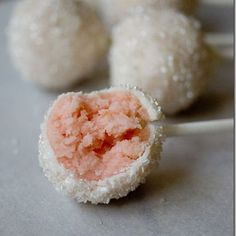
[101,145]
[56,42]
[112,11]
[162,52]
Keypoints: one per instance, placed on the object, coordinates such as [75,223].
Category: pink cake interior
[96,136]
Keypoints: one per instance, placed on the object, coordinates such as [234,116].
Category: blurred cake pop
[56,43]
[162,52]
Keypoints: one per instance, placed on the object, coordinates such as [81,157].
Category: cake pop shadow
[157,182]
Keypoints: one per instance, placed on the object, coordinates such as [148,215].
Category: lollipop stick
[220,39]
[202,127]
[226,53]
[218,2]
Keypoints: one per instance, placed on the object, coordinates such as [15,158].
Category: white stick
[218,2]
[223,42]
[201,127]
[226,53]
[220,39]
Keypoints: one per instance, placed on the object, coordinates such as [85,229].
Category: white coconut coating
[56,42]
[112,11]
[116,186]
[162,52]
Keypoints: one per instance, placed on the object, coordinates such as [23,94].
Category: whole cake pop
[56,42]
[162,52]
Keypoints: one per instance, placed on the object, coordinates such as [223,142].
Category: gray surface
[190,194]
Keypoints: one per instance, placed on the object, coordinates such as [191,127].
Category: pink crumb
[97,136]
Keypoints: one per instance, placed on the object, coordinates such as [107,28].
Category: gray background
[190,194]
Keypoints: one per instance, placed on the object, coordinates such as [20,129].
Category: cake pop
[100,146]
[56,43]
[164,53]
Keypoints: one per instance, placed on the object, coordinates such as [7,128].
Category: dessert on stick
[101,145]
[56,43]
[167,58]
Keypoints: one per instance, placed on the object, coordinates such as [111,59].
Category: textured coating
[116,186]
[56,43]
[167,58]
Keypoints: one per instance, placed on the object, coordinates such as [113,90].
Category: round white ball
[164,54]
[56,43]
[116,186]
[112,11]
